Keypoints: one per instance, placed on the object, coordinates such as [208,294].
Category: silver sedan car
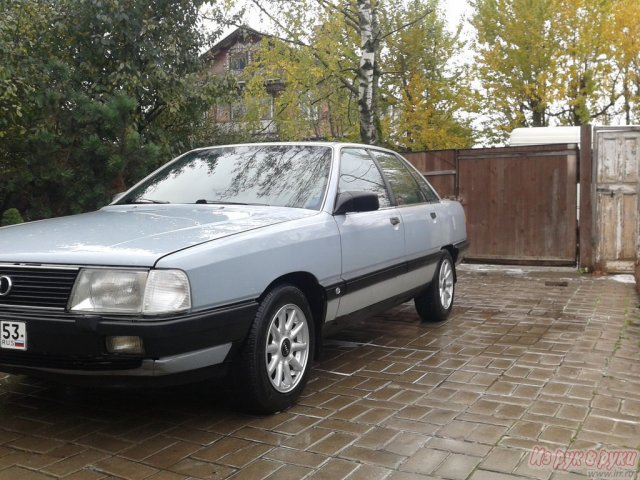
[229,259]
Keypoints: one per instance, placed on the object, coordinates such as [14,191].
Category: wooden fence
[521,202]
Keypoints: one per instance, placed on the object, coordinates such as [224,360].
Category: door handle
[394,220]
[434,215]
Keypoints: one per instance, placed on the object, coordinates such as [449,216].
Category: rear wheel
[435,303]
[276,359]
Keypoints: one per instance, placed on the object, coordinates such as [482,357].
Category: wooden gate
[520,202]
[617,182]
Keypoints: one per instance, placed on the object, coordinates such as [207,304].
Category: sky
[454,10]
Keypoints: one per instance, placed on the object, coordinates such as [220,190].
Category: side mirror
[356,202]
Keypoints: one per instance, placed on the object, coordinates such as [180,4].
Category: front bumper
[64,344]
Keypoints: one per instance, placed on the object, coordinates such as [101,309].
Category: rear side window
[403,184]
[427,190]
[358,172]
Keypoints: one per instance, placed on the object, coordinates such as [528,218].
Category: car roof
[311,143]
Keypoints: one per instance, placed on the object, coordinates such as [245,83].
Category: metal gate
[617,182]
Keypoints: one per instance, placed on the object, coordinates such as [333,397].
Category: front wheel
[435,303]
[276,359]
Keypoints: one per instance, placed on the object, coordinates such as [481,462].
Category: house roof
[239,34]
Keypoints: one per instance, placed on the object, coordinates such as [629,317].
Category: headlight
[167,291]
[100,290]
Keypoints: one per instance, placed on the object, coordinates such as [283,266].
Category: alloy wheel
[287,348]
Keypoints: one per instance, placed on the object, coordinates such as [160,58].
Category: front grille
[68,362]
[43,287]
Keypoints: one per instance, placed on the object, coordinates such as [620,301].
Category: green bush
[11,217]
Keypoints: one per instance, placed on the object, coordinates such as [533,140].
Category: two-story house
[231,56]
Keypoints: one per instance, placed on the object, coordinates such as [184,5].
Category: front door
[372,242]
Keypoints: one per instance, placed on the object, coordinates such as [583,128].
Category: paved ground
[543,362]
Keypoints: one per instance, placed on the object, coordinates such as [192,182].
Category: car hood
[132,235]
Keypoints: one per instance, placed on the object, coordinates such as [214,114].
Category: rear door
[373,243]
[417,205]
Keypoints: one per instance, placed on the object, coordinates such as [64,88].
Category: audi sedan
[229,259]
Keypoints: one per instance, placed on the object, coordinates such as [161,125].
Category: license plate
[13,335]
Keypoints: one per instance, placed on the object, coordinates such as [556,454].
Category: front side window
[359,173]
[276,175]
[405,188]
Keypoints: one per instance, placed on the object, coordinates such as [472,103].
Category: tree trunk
[537,113]
[366,77]
[626,107]
[580,110]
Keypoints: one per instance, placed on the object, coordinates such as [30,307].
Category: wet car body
[227,258]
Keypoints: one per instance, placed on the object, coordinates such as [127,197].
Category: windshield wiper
[222,202]
[144,200]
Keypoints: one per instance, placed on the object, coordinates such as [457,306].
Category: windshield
[277,175]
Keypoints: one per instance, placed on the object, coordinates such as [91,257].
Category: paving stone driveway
[547,361]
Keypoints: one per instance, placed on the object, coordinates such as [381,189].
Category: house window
[238,61]
[223,113]
[266,108]
[237,111]
[263,106]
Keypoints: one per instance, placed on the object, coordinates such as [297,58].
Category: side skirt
[344,321]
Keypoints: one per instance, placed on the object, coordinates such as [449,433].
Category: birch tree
[367,82]
[346,66]
[300,25]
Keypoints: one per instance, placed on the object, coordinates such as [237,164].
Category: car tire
[276,358]
[436,302]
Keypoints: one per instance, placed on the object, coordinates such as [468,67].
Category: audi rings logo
[5,286]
